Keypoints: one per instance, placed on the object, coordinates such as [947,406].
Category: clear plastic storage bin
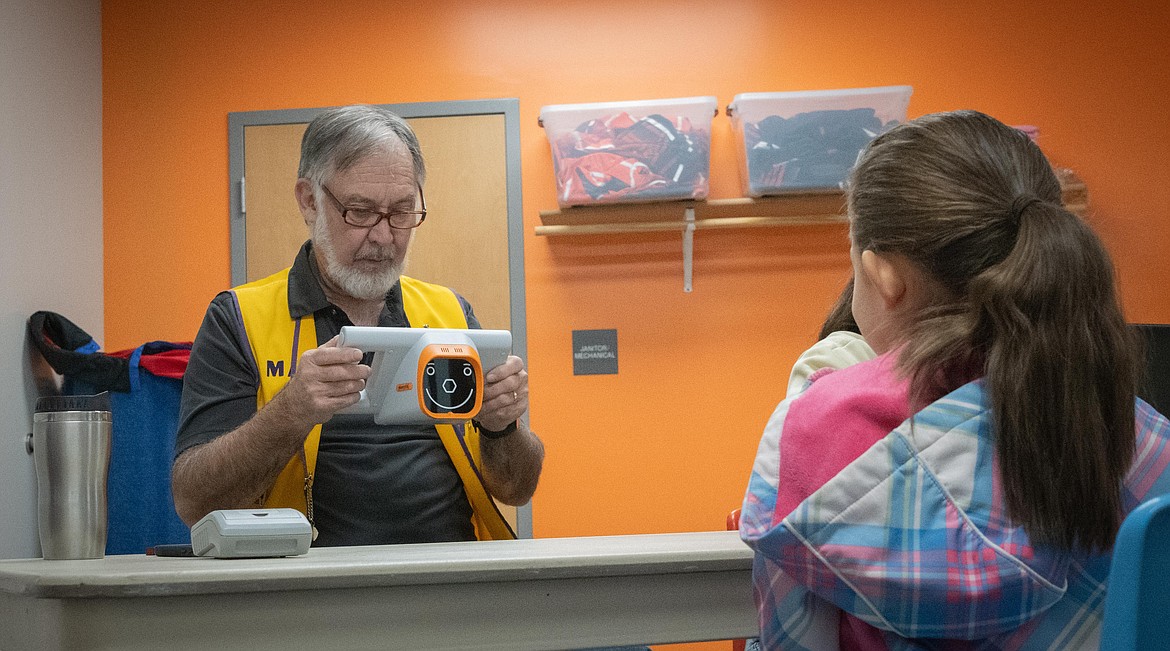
[809,139]
[620,152]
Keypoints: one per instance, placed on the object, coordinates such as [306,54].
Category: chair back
[1137,605]
[1155,385]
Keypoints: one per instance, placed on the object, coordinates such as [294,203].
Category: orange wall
[666,445]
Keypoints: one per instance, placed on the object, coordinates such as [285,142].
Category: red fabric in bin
[620,156]
[599,174]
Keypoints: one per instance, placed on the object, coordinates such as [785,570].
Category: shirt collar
[305,295]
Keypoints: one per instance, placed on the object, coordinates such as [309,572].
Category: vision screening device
[425,375]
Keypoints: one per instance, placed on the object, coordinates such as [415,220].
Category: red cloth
[593,175]
[170,363]
[620,157]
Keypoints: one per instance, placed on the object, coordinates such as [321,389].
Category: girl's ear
[887,275]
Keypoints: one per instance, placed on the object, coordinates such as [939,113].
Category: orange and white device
[425,375]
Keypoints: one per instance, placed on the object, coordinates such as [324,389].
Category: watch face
[449,386]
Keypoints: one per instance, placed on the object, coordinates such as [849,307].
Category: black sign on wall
[595,352]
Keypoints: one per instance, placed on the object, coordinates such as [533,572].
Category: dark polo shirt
[374,484]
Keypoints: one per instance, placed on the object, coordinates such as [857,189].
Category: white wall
[50,215]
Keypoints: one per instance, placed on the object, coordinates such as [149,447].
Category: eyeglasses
[403,220]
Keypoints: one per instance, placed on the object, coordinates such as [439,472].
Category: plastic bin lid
[805,94]
[710,100]
[835,92]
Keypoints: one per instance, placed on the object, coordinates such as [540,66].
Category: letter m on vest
[276,368]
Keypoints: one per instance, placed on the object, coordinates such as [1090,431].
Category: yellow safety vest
[278,341]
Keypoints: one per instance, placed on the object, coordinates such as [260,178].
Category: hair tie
[1021,203]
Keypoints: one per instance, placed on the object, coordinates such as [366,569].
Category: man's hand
[505,395]
[328,378]
[512,463]
[232,471]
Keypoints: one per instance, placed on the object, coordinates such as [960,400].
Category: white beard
[355,282]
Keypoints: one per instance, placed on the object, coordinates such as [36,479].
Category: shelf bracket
[688,248]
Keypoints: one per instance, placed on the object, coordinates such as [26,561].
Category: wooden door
[464,242]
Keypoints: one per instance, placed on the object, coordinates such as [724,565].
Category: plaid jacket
[912,538]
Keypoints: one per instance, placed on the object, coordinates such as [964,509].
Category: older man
[251,434]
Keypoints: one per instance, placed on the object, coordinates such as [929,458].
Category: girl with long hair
[963,488]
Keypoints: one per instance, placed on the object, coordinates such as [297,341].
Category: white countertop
[373,566]
[550,593]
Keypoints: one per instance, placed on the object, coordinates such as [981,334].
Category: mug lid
[99,402]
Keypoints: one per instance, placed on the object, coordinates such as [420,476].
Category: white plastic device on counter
[251,533]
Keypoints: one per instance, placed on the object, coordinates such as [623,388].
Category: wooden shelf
[794,209]
[804,208]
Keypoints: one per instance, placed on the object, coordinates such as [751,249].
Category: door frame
[509,108]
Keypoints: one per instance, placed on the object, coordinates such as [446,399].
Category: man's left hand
[505,395]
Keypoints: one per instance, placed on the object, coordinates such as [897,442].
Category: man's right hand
[328,378]
[233,470]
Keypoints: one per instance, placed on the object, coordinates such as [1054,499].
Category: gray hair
[340,137]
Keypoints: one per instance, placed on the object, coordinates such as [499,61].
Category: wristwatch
[495,434]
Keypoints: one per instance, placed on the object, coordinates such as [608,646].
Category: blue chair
[1137,605]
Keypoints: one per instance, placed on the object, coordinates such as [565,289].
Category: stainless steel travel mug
[71,447]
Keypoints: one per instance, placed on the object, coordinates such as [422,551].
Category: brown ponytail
[1032,308]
